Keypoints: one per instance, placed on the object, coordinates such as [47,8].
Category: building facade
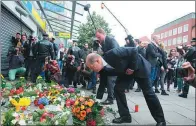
[177,32]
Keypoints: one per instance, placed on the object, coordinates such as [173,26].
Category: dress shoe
[164,93]
[161,124]
[126,91]
[138,90]
[124,119]
[107,102]
[157,91]
[94,91]
[183,95]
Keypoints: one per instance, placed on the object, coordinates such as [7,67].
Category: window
[162,35]
[169,42]
[165,42]
[175,31]
[179,40]
[174,41]
[180,30]
[185,38]
[159,36]
[186,27]
[166,34]
[170,32]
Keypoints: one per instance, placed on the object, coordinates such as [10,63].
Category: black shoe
[94,91]
[183,95]
[138,90]
[161,124]
[157,91]
[107,102]
[125,119]
[105,91]
[164,93]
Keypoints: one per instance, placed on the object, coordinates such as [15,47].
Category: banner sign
[54,7]
[35,14]
[62,35]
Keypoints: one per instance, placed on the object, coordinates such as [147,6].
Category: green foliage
[87,30]
[8,118]
[29,94]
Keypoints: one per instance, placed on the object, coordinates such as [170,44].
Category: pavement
[177,110]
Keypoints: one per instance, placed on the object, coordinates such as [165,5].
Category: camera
[82,64]
[181,72]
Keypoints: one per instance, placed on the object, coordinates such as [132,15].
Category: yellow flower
[13,102]
[90,104]
[24,102]
[17,108]
[82,107]
[39,77]
[1,76]
[76,102]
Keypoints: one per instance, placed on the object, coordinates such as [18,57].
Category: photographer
[191,79]
[70,68]
[52,70]
[15,64]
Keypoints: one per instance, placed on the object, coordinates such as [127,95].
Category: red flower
[21,89]
[41,106]
[41,95]
[91,123]
[17,92]
[23,108]
[36,102]
[102,112]
[12,91]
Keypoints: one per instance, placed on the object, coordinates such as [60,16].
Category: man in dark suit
[107,43]
[126,63]
[29,55]
[153,56]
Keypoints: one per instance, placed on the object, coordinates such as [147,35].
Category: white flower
[14,121]
[56,122]
[15,114]
[22,122]
[59,98]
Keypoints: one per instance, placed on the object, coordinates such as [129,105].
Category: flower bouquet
[20,103]
[87,112]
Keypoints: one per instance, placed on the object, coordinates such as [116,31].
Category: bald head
[91,58]
[94,62]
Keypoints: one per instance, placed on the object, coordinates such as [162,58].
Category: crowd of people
[146,63]
[32,58]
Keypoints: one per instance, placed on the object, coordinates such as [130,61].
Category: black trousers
[109,82]
[29,65]
[151,99]
[38,68]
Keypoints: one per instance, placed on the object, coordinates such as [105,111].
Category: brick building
[177,32]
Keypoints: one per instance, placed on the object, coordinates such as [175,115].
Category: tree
[87,31]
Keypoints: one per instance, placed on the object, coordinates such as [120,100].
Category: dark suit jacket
[27,47]
[109,44]
[123,58]
[152,54]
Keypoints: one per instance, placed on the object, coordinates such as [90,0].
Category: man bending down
[127,64]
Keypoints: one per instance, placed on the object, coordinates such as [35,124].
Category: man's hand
[79,68]
[129,71]
[191,71]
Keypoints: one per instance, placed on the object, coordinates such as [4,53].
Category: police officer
[43,49]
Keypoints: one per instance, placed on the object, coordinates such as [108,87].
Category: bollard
[136,108]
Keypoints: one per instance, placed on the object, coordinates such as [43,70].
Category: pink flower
[102,112]
[71,90]
[91,122]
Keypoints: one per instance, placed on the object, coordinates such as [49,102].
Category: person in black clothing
[126,64]
[43,49]
[29,55]
[16,61]
[107,43]
[55,47]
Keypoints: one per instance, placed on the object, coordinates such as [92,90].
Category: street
[177,110]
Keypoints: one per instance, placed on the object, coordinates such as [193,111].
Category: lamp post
[102,7]
[21,12]
[86,8]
